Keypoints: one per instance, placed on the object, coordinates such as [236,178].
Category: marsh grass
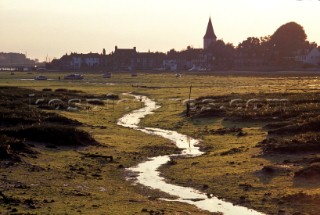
[232,161]
[64,181]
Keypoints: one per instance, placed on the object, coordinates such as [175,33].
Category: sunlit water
[148,174]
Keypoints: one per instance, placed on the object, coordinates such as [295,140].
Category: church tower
[209,37]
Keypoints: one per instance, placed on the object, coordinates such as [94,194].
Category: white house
[170,65]
[88,60]
[76,62]
[92,60]
[312,57]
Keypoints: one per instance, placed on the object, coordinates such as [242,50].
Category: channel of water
[149,175]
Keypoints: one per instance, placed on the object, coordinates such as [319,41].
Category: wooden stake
[188,103]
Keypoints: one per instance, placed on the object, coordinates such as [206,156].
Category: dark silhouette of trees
[250,47]
[285,49]
[221,54]
[250,44]
[253,51]
[280,49]
[287,39]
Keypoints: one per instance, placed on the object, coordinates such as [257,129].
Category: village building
[215,55]
[308,57]
[313,57]
[127,59]
[90,60]
[130,59]
[149,60]
[76,61]
[123,59]
[16,61]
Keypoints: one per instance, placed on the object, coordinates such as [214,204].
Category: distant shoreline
[245,73]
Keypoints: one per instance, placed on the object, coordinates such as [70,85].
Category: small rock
[144,210]
[268,169]
[242,199]
[172,162]
[209,195]
[205,186]
[240,134]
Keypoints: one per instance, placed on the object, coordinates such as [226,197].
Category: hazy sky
[55,27]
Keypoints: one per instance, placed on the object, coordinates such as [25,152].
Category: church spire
[209,37]
[210,33]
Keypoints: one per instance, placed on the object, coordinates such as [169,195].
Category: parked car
[107,75]
[74,77]
[40,78]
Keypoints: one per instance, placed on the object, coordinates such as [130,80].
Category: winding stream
[148,174]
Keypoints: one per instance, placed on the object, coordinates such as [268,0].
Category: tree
[221,50]
[250,47]
[287,39]
[222,53]
[311,45]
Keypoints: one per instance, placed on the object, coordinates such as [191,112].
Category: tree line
[279,49]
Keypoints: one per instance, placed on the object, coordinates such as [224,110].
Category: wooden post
[190,93]
[188,103]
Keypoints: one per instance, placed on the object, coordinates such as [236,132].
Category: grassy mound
[50,133]
[300,143]
[309,123]
[300,136]
[254,106]
[309,173]
[25,116]
[21,121]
